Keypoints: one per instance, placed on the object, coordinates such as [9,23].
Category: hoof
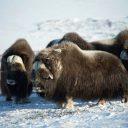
[8,99]
[124,100]
[22,101]
[69,106]
[102,102]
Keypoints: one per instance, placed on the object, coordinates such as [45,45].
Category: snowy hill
[89,29]
[41,113]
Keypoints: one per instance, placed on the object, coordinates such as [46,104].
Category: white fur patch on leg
[69,104]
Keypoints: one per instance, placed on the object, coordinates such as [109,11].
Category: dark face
[11,75]
[17,83]
[40,74]
[11,78]
[45,68]
[14,70]
[17,80]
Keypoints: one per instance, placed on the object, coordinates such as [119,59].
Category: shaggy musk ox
[16,67]
[114,46]
[66,72]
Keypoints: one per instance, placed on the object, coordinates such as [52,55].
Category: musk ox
[116,45]
[66,72]
[16,67]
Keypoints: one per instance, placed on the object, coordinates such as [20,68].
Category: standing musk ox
[16,67]
[116,46]
[66,72]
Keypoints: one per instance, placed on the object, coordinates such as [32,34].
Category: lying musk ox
[16,67]
[66,72]
[114,45]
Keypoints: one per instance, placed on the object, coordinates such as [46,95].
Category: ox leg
[21,100]
[66,103]
[101,101]
[69,102]
[21,94]
[8,95]
[4,89]
[24,97]
[61,103]
[125,97]
[24,100]
[8,99]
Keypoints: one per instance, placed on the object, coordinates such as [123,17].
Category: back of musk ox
[115,45]
[16,67]
[66,72]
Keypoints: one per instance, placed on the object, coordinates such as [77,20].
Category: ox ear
[58,51]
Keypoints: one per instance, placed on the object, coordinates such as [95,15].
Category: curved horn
[16,59]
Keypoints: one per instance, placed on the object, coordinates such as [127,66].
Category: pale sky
[18,17]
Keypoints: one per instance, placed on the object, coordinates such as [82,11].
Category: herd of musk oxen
[67,68]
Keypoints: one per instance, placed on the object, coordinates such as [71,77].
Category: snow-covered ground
[41,113]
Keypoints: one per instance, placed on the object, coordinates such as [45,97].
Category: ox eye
[48,63]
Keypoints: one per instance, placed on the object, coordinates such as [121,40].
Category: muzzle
[10,82]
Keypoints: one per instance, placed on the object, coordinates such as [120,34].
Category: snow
[41,113]
[20,18]
[90,29]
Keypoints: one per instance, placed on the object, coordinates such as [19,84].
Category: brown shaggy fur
[114,45]
[80,74]
[78,40]
[22,49]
